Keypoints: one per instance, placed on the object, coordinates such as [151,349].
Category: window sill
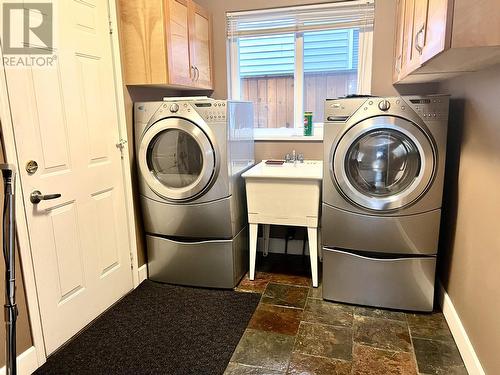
[287,134]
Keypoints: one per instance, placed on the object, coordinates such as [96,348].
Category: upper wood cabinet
[398,47]
[200,48]
[438,39]
[177,35]
[166,42]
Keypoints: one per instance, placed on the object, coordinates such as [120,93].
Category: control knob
[384,105]
[174,107]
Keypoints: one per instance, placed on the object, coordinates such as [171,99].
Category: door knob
[36,197]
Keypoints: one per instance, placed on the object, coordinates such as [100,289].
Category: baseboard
[27,362]
[143,273]
[464,345]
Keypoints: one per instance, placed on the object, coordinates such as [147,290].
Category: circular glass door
[383,163]
[177,159]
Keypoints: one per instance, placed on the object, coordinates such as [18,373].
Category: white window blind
[340,15]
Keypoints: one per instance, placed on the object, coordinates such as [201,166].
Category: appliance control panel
[427,107]
[341,109]
[430,108]
[212,111]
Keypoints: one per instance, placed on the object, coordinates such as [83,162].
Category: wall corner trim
[143,273]
[27,362]
[459,333]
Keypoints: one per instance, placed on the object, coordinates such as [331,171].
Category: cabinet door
[409,11]
[200,43]
[416,33]
[142,42]
[398,49]
[437,29]
[177,40]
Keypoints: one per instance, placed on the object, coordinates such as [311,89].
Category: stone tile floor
[294,331]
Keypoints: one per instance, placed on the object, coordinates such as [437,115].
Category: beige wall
[470,247]
[24,340]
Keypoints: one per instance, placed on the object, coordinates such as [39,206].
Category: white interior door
[65,118]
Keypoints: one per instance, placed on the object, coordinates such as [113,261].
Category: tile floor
[294,331]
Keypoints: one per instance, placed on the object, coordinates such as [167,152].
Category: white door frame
[24,244]
[120,101]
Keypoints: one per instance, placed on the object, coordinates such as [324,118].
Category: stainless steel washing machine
[190,155]
[382,194]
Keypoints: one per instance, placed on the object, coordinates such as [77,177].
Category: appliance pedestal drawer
[405,234]
[405,283]
[209,264]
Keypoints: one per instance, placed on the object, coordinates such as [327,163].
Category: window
[289,60]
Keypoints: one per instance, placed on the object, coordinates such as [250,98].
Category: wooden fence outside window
[273,96]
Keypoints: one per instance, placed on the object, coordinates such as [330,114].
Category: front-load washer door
[383,163]
[177,159]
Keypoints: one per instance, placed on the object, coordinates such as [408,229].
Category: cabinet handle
[418,47]
[192,73]
[197,73]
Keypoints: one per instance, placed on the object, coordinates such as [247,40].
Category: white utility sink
[309,169]
[284,194]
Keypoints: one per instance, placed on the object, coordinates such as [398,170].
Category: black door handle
[36,197]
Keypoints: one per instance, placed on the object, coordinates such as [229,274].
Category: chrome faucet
[291,158]
[294,158]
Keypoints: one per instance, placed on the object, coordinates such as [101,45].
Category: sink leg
[312,234]
[267,229]
[253,249]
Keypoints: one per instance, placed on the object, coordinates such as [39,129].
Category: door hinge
[121,144]
[110,27]
[131,261]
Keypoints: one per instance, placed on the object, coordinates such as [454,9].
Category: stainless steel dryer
[190,155]
[382,194]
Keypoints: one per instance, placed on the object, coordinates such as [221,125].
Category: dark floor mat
[160,329]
